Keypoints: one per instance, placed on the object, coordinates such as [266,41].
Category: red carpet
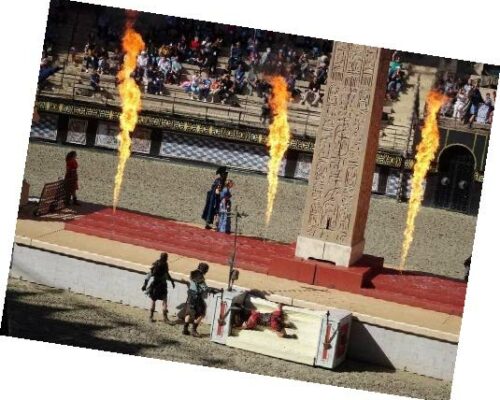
[367,277]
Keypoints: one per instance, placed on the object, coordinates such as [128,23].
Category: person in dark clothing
[212,202]
[155,285]
[476,99]
[467,268]
[95,80]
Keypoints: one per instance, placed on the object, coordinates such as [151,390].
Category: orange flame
[278,139]
[130,96]
[426,152]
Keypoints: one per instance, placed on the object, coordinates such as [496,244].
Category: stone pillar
[341,176]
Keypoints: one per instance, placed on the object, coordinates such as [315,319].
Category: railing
[304,123]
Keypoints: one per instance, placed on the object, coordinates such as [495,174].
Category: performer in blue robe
[225,209]
[212,202]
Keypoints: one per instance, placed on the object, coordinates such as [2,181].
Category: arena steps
[273,259]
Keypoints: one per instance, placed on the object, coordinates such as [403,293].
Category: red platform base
[366,277]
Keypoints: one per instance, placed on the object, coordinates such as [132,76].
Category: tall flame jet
[426,152]
[278,139]
[130,96]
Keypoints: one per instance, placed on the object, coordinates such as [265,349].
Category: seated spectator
[175,72]
[194,86]
[460,104]
[447,107]
[313,91]
[251,80]
[205,84]
[215,88]
[450,87]
[142,62]
[468,86]
[263,86]
[164,66]
[291,81]
[239,79]
[227,89]
[266,57]
[95,80]
[304,66]
[484,110]
[321,74]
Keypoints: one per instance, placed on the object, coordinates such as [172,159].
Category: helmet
[203,267]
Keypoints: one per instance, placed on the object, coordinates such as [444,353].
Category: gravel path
[442,241]
[41,313]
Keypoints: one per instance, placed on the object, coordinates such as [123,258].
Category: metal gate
[455,179]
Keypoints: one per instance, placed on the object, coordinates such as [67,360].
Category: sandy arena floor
[41,313]
[442,241]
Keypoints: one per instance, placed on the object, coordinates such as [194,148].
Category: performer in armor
[155,285]
[195,303]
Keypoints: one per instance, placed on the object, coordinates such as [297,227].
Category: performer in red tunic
[71,178]
[275,321]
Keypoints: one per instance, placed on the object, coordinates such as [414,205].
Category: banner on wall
[107,136]
[77,131]
[46,127]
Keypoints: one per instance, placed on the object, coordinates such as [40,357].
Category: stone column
[340,181]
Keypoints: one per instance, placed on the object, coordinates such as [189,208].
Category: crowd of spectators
[465,101]
[251,56]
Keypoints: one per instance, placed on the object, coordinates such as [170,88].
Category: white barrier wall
[107,282]
[367,342]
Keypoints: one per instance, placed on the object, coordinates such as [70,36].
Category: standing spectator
[460,103]
[155,285]
[235,55]
[493,101]
[484,110]
[71,179]
[475,100]
[194,47]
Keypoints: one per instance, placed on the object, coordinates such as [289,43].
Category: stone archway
[455,179]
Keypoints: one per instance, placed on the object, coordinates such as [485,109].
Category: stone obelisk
[338,196]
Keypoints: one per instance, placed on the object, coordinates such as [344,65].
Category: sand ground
[443,239]
[41,313]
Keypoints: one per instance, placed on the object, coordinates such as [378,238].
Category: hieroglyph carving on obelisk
[344,157]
